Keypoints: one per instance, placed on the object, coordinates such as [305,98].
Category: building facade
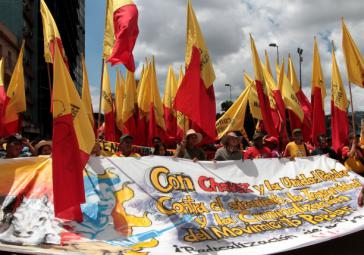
[21,20]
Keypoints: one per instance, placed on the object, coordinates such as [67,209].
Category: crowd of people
[230,147]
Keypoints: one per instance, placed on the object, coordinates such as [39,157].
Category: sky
[226,26]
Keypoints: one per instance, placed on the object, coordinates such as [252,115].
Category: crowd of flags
[137,108]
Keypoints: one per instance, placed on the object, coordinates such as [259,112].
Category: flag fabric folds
[182,120]
[195,97]
[15,97]
[129,111]
[86,94]
[119,100]
[73,140]
[50,34]
[170,116]
[254,105]
[262,92]
[318,94]
[107,106]
[353,59]
[339,106]
[121,32]
[2,96]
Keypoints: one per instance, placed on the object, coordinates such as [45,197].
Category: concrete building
[21,20]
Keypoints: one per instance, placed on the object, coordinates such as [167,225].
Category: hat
[193,132]
[42,143]
[258,136]
[296,130]
[224,139]
[14,138]
[126,136]
[271,139]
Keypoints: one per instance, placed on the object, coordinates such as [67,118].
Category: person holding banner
[230,149]
[43,147]
[296,148]
[188,147]
[353,156]
[324,149]
[17,146]
[126,147]
[258,150]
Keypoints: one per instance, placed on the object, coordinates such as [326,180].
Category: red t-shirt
[253,152]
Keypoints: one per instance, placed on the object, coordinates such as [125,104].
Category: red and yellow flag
[107,107]
[121,32]
[15,97]
[119,99]
[86,94]
[73,140]
[195,97]
[129,113]
[262,92]
[353,59]
[50,34]
[318,94]
[254,104]
[339,106]
[182,121]
[170,90]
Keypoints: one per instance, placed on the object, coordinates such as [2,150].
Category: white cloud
[226,26]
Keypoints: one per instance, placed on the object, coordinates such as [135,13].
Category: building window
[9,60]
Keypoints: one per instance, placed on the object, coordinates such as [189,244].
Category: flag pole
[352,111]
[49,80]
[102,77]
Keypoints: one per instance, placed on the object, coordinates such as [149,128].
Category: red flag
[125,16]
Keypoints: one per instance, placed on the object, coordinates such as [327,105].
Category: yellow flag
[119,99]
[182,120]
[130,99]
[288,94]
[2,82]
[292,75]
[258,71]
[86,95]
[253,98]
[16,91]
[50,31]
[106,99]
[338,95]
[317,75]
[144,90]
[233,119]
[195,39]
[267,64]
[170,89]
[353,59]
[156,99]
[109,37]
[66,101]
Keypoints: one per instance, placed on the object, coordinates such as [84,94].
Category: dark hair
[157,149]
[320,137]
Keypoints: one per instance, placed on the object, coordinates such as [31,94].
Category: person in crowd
[323,148]
[272,143]
[126,147]
[96,150]
[161,150]
[156,140]
[188,147]
[296,148]
[43,147]
[353,155]
[17,146]
[361,197]
[257,150]
[230,149]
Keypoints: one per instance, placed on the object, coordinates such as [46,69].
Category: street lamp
[228,85]
[276,46]
[300,51]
